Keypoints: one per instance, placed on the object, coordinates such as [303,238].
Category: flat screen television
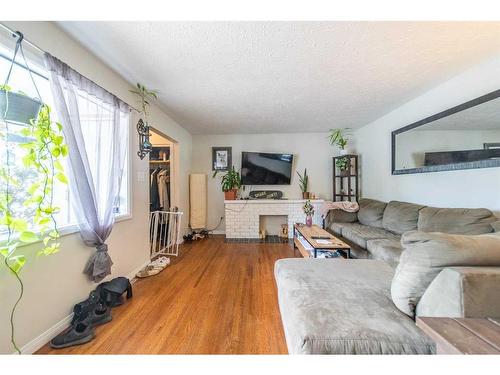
[260,168]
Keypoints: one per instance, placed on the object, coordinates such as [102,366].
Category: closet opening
[164,217]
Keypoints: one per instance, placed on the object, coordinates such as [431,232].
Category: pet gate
[165,232]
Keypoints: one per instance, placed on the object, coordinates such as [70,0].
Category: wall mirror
[463,137]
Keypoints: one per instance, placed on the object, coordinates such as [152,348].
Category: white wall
[310,150]
[54,284]
[465,188]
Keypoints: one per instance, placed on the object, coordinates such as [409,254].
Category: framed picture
[221,158]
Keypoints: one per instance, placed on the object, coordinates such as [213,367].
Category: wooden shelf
[348,182]
[159,161]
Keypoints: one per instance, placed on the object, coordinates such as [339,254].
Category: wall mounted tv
[260,168]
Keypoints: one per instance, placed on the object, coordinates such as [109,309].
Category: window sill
[71,229]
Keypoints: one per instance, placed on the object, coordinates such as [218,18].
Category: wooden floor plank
[217,298]
[485,329]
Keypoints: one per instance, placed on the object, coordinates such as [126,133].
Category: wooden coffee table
[313,237]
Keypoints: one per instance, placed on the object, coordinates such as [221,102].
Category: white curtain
[94,125]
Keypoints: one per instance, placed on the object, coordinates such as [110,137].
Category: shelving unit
[346,183]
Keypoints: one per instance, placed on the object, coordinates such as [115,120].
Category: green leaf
[28,236]
[16,263]
[56,151]
[19,225]
[58,140]
[64,150]
[58,166]
[62,177]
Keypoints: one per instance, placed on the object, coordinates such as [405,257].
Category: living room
[251,186]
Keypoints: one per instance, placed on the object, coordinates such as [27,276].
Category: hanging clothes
[164,189]
[154,191]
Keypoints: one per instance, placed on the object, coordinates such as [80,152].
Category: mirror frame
[446,167]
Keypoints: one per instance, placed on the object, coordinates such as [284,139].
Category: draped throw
[95,129]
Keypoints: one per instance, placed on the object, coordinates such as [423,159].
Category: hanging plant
[44,151]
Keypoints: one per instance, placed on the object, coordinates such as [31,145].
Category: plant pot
[305,195]
[18,108]
[230,195]
[309,220]
[344,172]
[343,152]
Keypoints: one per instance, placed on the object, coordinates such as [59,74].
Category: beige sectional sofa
[375,230]
[412,261]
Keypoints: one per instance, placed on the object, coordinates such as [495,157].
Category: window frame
[68,229]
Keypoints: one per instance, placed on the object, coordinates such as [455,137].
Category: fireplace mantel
[242,216]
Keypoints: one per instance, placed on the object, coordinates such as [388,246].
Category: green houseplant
[309,211]
[339,138]
[343,165]
[304,184]
[44,148]
[230,183]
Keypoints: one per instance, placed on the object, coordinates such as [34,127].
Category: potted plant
[17,107]
[339,138]
[343,165]
[230,184]
[309,211]
[44,149]
[304,184]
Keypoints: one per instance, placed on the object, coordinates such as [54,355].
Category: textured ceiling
[266,77]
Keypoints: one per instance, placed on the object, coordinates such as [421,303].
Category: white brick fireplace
[243,216]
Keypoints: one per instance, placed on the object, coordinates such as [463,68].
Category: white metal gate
[164,233]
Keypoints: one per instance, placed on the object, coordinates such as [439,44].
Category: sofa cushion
[371,212]
[359,233]
[456,220]
[401,217]
[343,307]
[496,226]
[426,254]
[388,250]
[462,292]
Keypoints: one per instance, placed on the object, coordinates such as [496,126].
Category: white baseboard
[35,344]
[219,232]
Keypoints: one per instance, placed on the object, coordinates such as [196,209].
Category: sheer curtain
[95,128]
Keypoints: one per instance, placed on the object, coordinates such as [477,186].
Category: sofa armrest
[340,216]
[463,292]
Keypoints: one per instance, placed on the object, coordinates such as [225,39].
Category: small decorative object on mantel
[304,184]
[309,211]
[230,183]
[145,95]
[221,158]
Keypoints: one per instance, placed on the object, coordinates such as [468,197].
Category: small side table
[463,335]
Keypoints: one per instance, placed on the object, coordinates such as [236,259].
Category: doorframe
[174,166]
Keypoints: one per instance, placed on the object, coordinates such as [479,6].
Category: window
[94,116]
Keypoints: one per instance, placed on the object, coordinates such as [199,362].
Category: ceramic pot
[305,195]
[309,220]
[343,152]
[230,195]
[18,108]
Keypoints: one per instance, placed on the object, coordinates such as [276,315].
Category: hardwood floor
[216,298]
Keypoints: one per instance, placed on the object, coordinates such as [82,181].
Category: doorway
[163,199]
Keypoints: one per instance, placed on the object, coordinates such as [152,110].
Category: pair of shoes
[87,314]
[154,268]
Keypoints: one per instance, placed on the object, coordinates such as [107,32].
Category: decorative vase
[230,195]
[309,220]
[18,108]
[305,195]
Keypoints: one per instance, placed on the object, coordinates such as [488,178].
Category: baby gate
[165,232]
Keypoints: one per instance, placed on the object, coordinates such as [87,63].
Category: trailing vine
[43,151]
